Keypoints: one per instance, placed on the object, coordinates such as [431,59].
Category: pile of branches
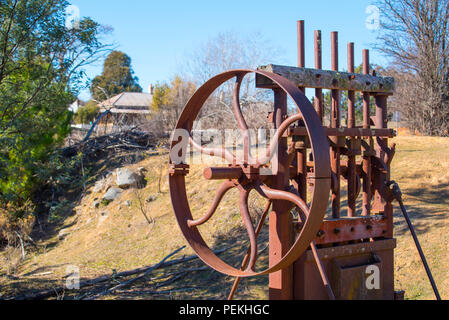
[129,140]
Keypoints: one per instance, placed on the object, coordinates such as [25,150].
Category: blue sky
[159,35]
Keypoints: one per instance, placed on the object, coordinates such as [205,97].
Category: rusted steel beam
[351,229]
[324,79]
[347,132]
[367,171]
[381,205]
[352,188]
[280,230]
[335,152]
[310,164]
[343,165]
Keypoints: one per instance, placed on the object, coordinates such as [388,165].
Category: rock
[103,216]
[104,184]
[142,171]
[96,204]
[112,194]
[63,234]
[126,178]
[152,198]
[99,186]
[127,203]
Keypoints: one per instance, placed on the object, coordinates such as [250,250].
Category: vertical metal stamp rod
[366,172]
[351,124]
[302,153]
[335,123]
[319,103]
[381,179]
[301,48]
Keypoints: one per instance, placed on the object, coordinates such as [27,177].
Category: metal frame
[366,170]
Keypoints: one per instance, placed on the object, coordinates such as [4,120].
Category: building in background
[76,105]
[127,109]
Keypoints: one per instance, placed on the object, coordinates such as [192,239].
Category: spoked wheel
[244,174]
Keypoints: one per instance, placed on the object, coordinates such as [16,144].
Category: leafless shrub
[225,52]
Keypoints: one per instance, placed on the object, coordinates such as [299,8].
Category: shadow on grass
[195,281]
[432,212]
[208,284]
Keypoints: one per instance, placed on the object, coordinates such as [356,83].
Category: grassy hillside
[118,237]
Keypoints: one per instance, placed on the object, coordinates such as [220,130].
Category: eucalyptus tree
[41,70]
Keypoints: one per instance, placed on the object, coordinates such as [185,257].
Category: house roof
[128,101]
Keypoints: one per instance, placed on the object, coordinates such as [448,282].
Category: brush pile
[121,141]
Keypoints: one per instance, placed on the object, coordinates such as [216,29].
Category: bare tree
[168,102]
[415,36]
[225,52]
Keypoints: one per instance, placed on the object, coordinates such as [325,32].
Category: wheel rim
[321,188]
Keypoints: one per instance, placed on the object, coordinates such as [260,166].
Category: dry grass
[421,167]
[118,237]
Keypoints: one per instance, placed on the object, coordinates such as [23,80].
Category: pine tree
[117,77]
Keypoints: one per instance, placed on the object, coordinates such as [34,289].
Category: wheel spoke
[224,188]
[244,195]
[274,141]
[241,122]
[274,194]
[247,256]
[214,152]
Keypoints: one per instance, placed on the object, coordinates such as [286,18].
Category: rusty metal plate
[351,229]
